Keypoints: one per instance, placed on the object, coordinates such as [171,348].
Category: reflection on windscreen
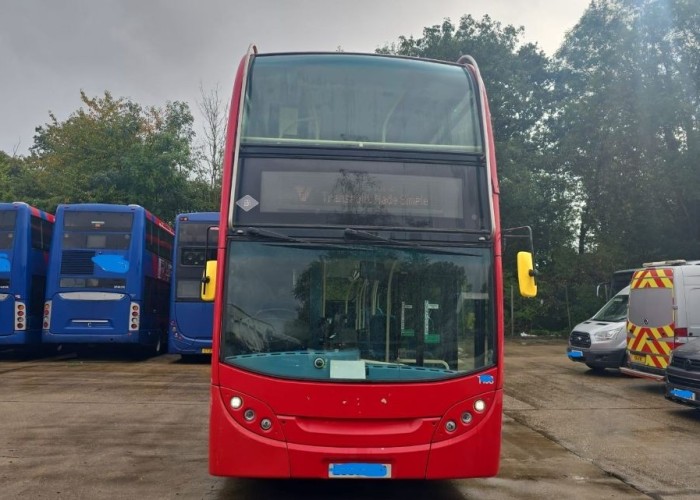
[360,100]
[357,313]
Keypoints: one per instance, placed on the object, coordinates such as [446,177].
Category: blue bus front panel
[190,328]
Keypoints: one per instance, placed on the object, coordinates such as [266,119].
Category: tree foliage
[115,151]
[520,82]
[628,127]
[598,148]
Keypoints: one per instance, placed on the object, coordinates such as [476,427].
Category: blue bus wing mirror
[208,290]
[526,275]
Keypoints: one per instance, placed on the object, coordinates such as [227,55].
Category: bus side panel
[235,451]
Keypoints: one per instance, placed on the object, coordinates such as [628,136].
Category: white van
[664,312]
[601,341]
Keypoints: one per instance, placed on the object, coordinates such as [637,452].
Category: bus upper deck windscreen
[361,101]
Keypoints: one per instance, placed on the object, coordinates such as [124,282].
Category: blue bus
[191,318]
[109,277]
[25,238]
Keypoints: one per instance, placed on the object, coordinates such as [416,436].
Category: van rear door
[651,319]
[692,304]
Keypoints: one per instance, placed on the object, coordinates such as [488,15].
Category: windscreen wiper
[359,234]
[266,233]
[366,235]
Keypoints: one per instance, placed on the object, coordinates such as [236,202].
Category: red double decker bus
[358,324]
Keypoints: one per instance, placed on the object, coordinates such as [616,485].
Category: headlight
[608,334]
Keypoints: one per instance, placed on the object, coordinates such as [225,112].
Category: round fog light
[236,402]
[466,417]
[249,415]
[450,426]
[479,405]
[265,424]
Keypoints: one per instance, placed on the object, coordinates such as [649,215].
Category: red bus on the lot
[358,324]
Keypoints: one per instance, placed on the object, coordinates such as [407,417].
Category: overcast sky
[154,51]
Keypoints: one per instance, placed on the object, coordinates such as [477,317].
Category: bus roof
[25,206]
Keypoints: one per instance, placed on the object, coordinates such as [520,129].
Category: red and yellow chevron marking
[652,278]
[649,341]
[646,340]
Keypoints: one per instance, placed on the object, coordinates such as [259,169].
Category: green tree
[18,181]
[115,151]
[535,190]
[210,158]
[519,80]
[628,127]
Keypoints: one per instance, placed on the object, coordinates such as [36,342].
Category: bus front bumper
[90,338]
[235,451]
[179,344]
[21,338]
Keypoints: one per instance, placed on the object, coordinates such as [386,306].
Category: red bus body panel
[315,424]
